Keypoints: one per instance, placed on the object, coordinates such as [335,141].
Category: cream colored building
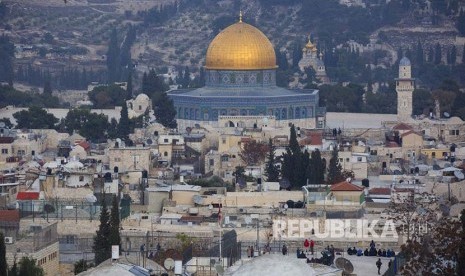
[139,106]
[130,158]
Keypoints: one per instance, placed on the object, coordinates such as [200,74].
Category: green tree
[3,264]
[271,170]
[129,87]
[108,96]
[164,110]
[124,126]
[114,237]
[80,266]
[453,55]
[316,169]
[47,87]
[253,153]
[461,23]
[7,53]
[420,56]
[102,246]
[295,162]
[335,174]
[28,267]
[85,123]
[463,54]
[437,54]
[35,118]
[461,251]
[113,58]
[422,101]
[152,84]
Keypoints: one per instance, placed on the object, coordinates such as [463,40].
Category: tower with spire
[310,58]
[405,85]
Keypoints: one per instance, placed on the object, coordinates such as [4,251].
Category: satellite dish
[210,207]
[459,175]
[149,142]
[2,124]
[212,261]
[169,263]
[446,114]
[346,266]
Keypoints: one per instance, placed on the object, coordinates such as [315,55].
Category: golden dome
[240,47]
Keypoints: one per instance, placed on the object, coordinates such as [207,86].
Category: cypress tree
[164,110]
[129,85]
[463,54]
[431,54]
[334,168]
[461,251]
[115,238]
[102,246]
[419,54]
[461,22]
[3,264]
[316,168]
[124,125]
[293,143]
[437,54]
[271,171]
[113,58]
[453,55]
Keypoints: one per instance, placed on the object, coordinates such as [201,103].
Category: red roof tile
[380,191]
[345,187]
[9,215]
[84,145]
[402,126]
[27,196]
[410,132]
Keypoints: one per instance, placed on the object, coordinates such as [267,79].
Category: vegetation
[335,173]
[114,237]
[27,267]
[35,118]
[3,264]
[271,171]
[7,53]
[108,96]
[102,245]
[85,122]
[253,152]
[81,266]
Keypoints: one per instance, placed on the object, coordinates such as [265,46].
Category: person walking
[312,246]
[378,264]
[284,249]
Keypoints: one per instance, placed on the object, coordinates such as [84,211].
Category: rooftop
[345,187]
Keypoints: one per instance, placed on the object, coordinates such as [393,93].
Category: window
[165,153]
[140,107]
[165,140]
[81,178]
[21,152]
[212,162]
[69,239]
[359,159]
[223,140]
[433,154]
[341,160]
[347,159]
[4,151]
[454,132]
[117,159]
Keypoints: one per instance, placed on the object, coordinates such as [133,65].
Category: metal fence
[67,210]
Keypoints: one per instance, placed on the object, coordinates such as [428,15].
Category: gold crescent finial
[240,16]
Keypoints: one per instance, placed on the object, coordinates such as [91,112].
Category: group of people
[371,252]
[250,252]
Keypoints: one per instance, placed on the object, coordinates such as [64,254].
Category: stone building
[311,59]
[241,81]
[405,85]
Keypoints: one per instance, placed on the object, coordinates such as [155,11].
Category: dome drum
[223,78]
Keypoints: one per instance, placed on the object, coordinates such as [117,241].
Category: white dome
[274,265]
[142,97]
[73,165]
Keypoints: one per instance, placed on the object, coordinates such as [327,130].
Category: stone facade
[130,158]
[405,85]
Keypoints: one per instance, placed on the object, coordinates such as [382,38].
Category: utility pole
[258,236]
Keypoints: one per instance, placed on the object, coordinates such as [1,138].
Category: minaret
[405,85]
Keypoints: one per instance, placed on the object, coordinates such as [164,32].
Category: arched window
[283,114]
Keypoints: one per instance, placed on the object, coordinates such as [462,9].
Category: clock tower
[405,85]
